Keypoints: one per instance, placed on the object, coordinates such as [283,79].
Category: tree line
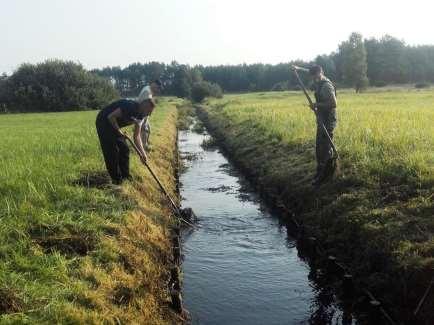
[356,63]
[56,85]
[179,80]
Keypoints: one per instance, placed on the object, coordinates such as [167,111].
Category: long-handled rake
[183,214]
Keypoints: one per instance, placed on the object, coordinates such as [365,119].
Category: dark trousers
[115,151]
[324,151]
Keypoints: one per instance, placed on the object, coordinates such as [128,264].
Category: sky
[99,33]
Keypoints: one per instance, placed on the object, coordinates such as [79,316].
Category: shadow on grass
[10,302]
[67,244]
[93,179]
[122,295]
[63,239]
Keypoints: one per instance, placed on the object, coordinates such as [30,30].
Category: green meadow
[377,213]
[73,249]
[76,250]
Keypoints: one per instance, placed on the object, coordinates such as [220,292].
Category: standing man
[148,92]
[109,122]
[325,109]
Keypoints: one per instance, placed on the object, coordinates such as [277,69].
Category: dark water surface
[240,266]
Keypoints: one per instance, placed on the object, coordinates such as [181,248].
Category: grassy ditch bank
[73,249]
[377,216]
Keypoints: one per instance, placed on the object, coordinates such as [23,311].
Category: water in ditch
[241,266]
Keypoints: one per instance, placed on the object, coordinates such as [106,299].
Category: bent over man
[325,108]
[109,122]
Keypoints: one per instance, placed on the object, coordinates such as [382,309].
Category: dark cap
[315,70]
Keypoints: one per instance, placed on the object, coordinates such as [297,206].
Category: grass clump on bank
[72,249]
[377,215]
[186,115]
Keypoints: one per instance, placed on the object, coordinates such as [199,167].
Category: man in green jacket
[325,108]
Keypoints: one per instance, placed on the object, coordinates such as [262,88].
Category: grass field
[72,249]
[378,215]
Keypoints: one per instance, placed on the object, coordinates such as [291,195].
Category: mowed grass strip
[378,215]
[72,249]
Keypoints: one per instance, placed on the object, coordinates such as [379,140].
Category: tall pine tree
[354,63]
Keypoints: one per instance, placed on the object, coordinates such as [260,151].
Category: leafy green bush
[54,85]
[280,86]
[421,85]
[3,79]
[203,89]
[362,84]
[380,84]
[216,90]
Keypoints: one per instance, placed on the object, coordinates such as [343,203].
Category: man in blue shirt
[109,122]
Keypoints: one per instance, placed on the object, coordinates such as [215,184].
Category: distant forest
[357,63]
[56,85]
